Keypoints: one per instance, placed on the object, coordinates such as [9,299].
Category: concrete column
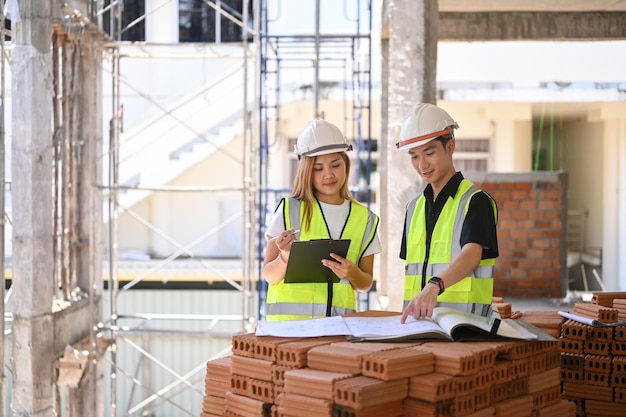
[89,256]
[161,21]
[31,147]
[512,137]
[613,182]
[409,61]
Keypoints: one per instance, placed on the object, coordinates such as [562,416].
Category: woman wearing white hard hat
[320,207]
[449,242]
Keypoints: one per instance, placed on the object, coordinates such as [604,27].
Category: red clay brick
[239,384]
[544,380]
[572,346]
[573,375]
[547,397]
[278,373]
[597,347]
[618,348]
[390,409]
[254,368]
[265,347]
[433,387]
[399,363]
[244,406]
[363,391]
[294,405]
[518,387]
[312,382]
[620,395]
[419,408]
[618,380]
[295,353]
[213,405]
[619,364]
[574,390]
[482,398]
[243,344]
[602,408]
[464,404]
[537,363]
[499,392]
[598,363]
[485,412]
[574,330]
[521,406]
[561,409]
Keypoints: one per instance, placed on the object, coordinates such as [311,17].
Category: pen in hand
[295,232]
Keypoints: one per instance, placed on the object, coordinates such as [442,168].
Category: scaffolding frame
[279,53]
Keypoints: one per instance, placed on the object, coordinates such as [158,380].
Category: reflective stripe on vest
[307,300]
[474,292]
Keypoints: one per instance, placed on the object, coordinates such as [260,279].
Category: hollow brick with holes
[618,365]
[572,346]
[618,348]
[573,360]
[399,363]
[600,333]
[598,363]
[620,395]
[265,347]
[239,384]
[596,347]
[364,391]
[618,380]
[433,387]
[573,375]
[243,344]
[572,329]
[295,353]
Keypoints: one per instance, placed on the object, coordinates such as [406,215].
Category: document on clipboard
[305,260]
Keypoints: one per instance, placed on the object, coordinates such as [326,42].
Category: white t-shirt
[335,216]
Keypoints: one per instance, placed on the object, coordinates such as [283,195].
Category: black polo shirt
[479,225]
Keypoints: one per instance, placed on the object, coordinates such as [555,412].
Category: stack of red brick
[328,376]
[593,359]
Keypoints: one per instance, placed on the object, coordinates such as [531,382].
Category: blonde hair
[303,186]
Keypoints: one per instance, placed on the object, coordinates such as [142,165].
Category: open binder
[305,260]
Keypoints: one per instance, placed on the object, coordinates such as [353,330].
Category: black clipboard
[305,260]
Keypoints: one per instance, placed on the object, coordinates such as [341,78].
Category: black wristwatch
[438,282]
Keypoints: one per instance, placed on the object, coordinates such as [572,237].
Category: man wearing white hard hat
[320,207]
[449,241]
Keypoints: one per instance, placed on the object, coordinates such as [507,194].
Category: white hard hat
[424,123]
[321,137]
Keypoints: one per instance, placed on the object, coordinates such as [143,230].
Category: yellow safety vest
[309,300]
[473,293]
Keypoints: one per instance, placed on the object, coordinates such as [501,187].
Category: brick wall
[532,210]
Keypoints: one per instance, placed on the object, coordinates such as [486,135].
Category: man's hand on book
[422,304]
